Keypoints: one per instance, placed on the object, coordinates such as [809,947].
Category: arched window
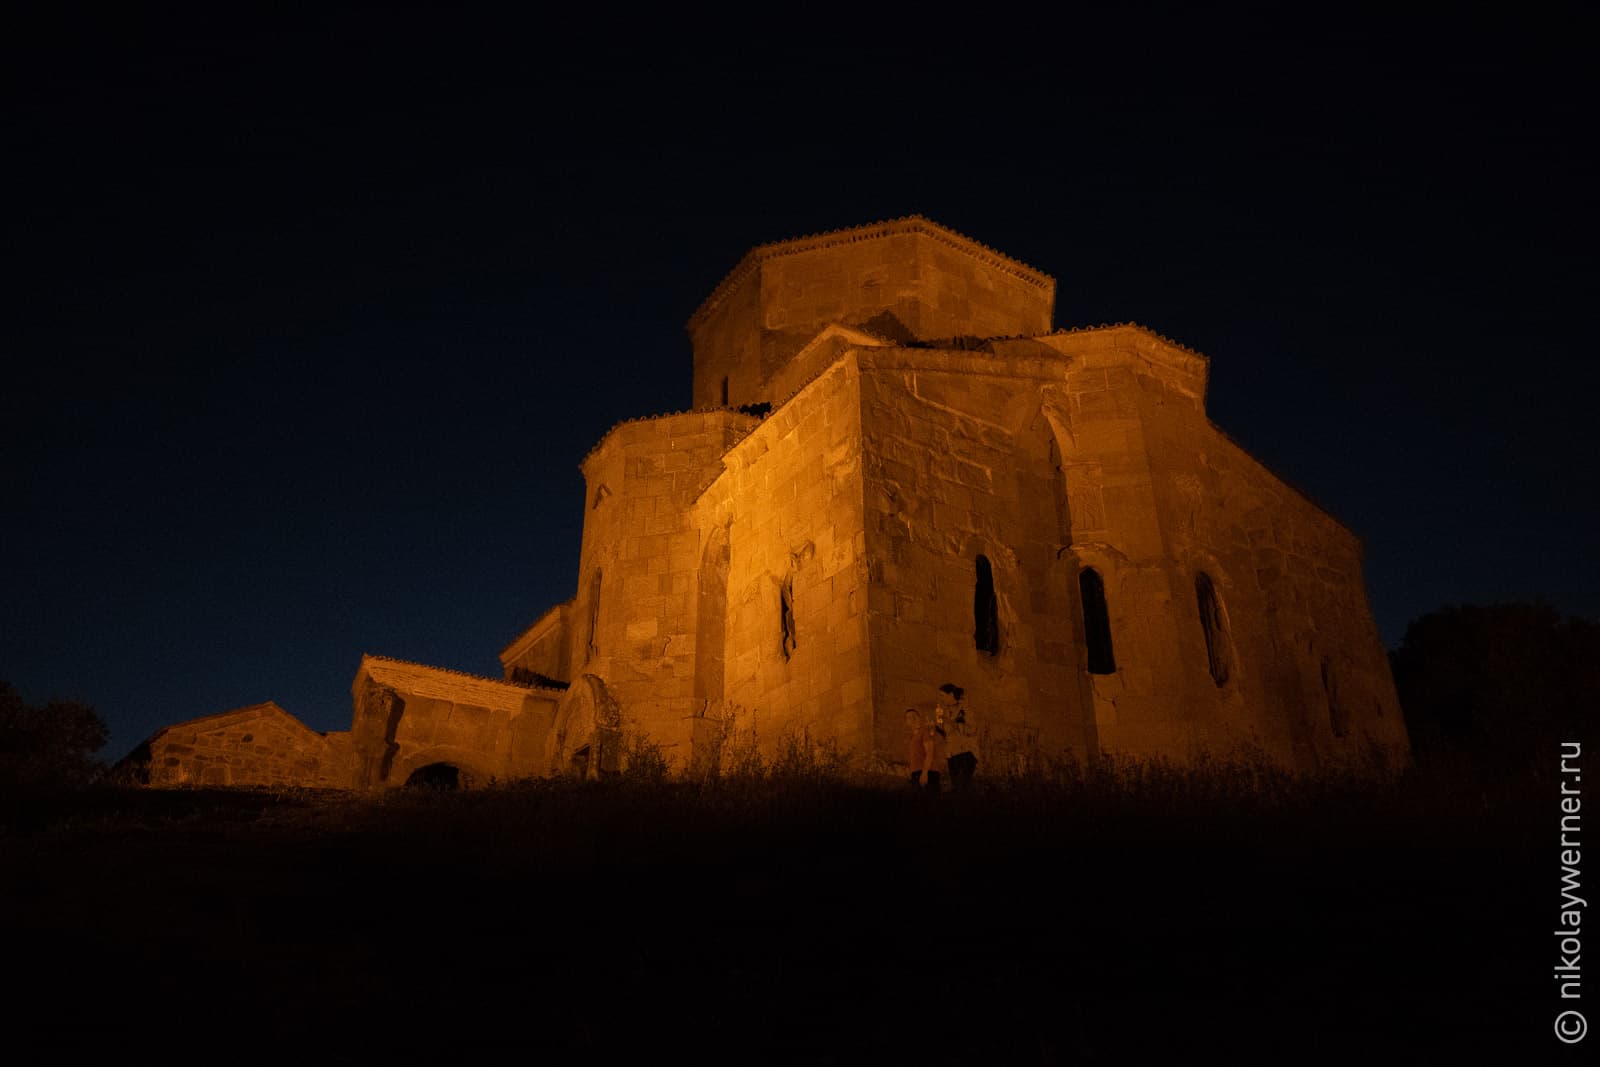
[1096,622]
[985,610]
[1214,621]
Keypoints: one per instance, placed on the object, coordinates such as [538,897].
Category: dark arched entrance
[441,776]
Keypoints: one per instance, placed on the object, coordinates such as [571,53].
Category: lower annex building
[896,475]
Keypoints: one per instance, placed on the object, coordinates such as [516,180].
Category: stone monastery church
[896,475]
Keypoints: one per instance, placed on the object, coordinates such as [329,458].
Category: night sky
[312,322]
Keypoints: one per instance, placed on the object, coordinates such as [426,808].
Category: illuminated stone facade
[897,476]
[261,745]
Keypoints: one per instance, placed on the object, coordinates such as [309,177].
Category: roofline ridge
[864,232]
[235,711]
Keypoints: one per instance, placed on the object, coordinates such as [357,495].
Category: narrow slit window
[1338,717]
[1214,621]
[594,615]
[985,610]
[724,392]
[786,616]
[1096,622]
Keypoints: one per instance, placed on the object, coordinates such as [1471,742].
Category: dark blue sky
[316,319]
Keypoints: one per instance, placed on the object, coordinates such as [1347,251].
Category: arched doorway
[444,777]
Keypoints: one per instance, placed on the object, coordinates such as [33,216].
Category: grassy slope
[771,922]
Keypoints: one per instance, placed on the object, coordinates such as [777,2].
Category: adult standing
[919,747]
[961,737]
[938,749]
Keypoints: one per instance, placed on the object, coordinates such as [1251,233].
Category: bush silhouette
[52,744]
[1499,685]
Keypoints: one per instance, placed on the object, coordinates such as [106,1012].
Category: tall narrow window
[1338,718]
[724,392]
[710,643]
[594,615]
[786,615]
[1214,621]
[985,610]
[1096,622]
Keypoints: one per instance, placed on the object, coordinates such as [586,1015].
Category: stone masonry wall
[262,746]
[904,280]
[409,715]
[906,286]
[468,736]
[789,506]
[961,459]
[641,538]
[1309,660]
[1159,496]
[1139,709]
[544,648]
[727,344]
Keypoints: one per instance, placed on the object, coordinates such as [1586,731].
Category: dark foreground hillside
[773,923]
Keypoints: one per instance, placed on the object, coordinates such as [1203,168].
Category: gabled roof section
[221,720]
[537,628]
[908,224]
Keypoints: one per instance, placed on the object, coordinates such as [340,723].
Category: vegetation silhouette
[51,745]
[1496,688]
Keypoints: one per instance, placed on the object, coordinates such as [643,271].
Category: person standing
[961,737]
[919,749]
[938,748]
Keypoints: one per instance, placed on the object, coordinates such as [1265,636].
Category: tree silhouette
[52,744]
[1500,684]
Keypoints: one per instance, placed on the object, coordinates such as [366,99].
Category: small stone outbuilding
[261,745]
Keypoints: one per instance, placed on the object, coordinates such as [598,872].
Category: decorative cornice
[1147,331]
[872,231]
